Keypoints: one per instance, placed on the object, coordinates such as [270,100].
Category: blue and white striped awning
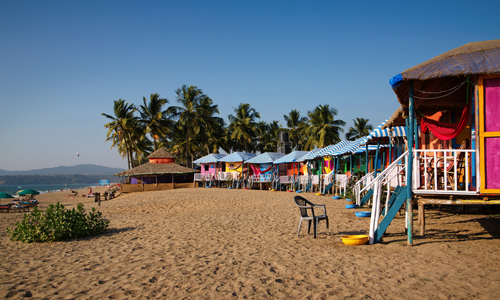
[351,147]
[332,148]
[387,132]
[362,149]
[311,155]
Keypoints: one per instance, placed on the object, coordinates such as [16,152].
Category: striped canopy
[362,149]
[387,132]
[310,155]
[351,147]
[332,148]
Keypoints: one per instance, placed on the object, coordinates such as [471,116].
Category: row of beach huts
[442,146]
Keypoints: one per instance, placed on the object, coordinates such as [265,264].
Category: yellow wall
[230,166]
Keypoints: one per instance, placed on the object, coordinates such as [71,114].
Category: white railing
[443,171]
[262,178]
[303,181]
[341,181]
[203,177]
[394,170]
[325,181]
[362,183]
[287,179]
[225,176]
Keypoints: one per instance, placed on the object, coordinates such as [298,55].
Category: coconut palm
[122,128]
[194,116]
[154,119]
[296,127]
[323,129]
[243,125]
[361,128]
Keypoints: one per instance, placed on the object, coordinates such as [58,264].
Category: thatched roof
[156,169]
[161,153]
[441,82]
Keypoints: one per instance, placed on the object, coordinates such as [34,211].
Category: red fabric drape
[257,171]
[445,131]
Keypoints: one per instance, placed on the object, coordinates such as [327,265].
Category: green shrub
[58,223]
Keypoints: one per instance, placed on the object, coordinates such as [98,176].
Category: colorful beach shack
[210,166]
[289,168]
[451,107]
[234,167]
[263,168]
[159,173]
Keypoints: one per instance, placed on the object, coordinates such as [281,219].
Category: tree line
[193,128]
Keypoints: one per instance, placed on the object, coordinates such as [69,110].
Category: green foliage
[349,192]
[57,223]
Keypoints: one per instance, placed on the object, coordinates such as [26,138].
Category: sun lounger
[5,207]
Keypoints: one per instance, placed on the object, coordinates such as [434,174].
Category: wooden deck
[451,200]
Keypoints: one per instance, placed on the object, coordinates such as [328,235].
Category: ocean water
[42,188]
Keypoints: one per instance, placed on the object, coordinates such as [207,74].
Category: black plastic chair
[305,205]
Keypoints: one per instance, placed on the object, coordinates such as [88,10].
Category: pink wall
[210,168]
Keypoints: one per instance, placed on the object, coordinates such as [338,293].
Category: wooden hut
[210,166]
[159,173]
[451,107]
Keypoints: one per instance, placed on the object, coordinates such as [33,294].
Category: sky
[63,63]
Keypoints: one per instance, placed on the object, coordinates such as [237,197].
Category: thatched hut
[159,173]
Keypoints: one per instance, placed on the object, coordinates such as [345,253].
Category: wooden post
[421,218]
[376,159]
[366,161]
[409,167]
[173,183]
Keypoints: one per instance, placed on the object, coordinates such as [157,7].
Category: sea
[43,188]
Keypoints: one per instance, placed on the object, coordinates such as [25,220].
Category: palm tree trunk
[187,150]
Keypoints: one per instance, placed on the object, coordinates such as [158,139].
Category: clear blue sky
[62,63]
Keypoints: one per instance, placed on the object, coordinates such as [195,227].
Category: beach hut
[234,167]
[210,166]
[159,173]
[263,168]
[289,168]
[450,105]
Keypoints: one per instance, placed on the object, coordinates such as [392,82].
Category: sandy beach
[240,244]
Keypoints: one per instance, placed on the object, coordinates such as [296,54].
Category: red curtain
[257,171]
[445,131]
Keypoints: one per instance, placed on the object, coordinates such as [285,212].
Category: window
[206,167]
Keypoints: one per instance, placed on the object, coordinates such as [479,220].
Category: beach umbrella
[28,192]
[5,195]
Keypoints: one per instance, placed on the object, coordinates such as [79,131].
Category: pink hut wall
[208,168]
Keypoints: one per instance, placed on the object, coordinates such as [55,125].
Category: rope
[438,97]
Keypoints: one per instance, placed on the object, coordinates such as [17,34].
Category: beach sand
[239,244]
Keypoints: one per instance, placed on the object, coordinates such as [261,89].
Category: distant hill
[87,169]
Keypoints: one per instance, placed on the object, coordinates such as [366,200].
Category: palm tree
[361,128]
[122,127]
[154,118]
[195,115]
[296,126]
[262,136]
[323,129]
[243,125]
